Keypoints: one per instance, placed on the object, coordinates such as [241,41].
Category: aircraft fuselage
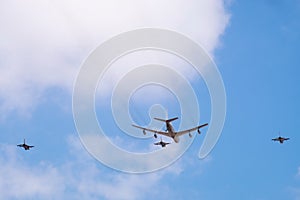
[171,132]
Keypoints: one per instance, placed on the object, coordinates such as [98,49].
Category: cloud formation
[18,180]
[43,43]
[78,178]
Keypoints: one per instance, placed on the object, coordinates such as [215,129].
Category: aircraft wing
[151,130]
[278,139]
[179,133]
[20,145]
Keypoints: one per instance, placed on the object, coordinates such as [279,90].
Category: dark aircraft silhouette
[25,146]
[280,139]
[161,143]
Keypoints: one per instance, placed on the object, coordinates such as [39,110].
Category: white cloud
[18,180]
[85,176]
[78,178]
[43,43]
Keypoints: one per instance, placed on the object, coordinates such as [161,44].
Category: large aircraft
[280,139]
[161,143]
[170,132]
[25,146]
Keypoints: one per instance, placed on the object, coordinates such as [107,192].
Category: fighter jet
[280,139]
[25,146]
[161,143]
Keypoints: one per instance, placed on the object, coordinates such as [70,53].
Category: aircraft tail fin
[166,120]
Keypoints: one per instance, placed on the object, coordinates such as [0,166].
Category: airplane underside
[176,139]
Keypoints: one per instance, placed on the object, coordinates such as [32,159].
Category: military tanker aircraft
[170,132]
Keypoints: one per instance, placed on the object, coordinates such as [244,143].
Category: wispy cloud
[19,180]
[78,178]
[294,190]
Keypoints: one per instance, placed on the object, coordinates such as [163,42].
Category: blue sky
[255,45]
